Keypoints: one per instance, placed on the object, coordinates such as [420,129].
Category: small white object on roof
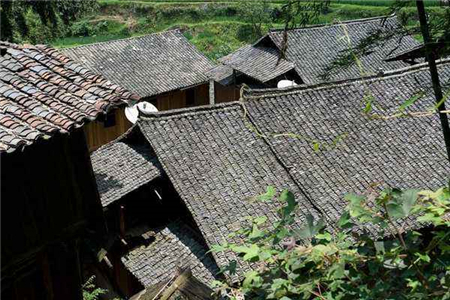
[146,107]
[285,83]
[132,112]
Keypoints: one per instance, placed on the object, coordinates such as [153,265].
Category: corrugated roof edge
[269,92]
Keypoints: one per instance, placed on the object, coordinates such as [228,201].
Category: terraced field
[216,27]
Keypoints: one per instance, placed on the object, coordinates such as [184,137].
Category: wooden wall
[177,99]
[226,93]
[97,134]
[49,199]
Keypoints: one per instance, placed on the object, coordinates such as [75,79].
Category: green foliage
[216,27]
[258,14]
[39,21]
[367,255]
[90,291]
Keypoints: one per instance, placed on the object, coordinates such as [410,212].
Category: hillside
[215,27]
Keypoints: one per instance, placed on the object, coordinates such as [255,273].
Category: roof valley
[282,162]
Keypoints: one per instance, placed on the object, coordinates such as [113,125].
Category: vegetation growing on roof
[370,256]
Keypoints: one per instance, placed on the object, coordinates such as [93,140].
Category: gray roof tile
[219,156]
[121,167]
[174,247]
[148,65]
[312,49]
[260,63]
[217,164]
[401,152]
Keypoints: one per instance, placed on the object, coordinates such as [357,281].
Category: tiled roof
[260,63]
[170,248]
[405,152]
[121,167]
[43,92]
[219,156]
[222,74]
[217,164]
[148,65]
[313,49]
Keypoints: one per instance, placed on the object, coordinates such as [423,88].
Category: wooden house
[218,157]
[164,68]
[49,195]
[312,53]
[151,233]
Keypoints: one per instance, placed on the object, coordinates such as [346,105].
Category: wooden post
[430,56]
[212,95]
[46,275]
[122,222]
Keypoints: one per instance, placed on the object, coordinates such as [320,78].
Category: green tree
[15,24]
[258,14]
[368,255]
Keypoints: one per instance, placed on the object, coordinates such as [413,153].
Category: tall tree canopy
[14,23]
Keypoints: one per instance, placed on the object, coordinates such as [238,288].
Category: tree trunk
[430,56]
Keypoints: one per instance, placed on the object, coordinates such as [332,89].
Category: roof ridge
[386,75]
[354,21]
[181,112]
[124,39]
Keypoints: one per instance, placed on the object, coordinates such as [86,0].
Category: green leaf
[252,279]
[268,195]
[316,146]
[218,248]
[423,257]
[400,206]
[379,246]
[256,232]
[249,252]
[344,221]
[354,199]
[310,230]
[337,271]
[291,204]
[409,102]
[324,236]
[260,220]
[230,268]
[368,99]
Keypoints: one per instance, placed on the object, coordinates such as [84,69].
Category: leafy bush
[369,256]
[82,28]
[258,14]
[246,33]
[90,291]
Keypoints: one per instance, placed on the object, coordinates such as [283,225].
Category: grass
[78,41]
[215,27]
